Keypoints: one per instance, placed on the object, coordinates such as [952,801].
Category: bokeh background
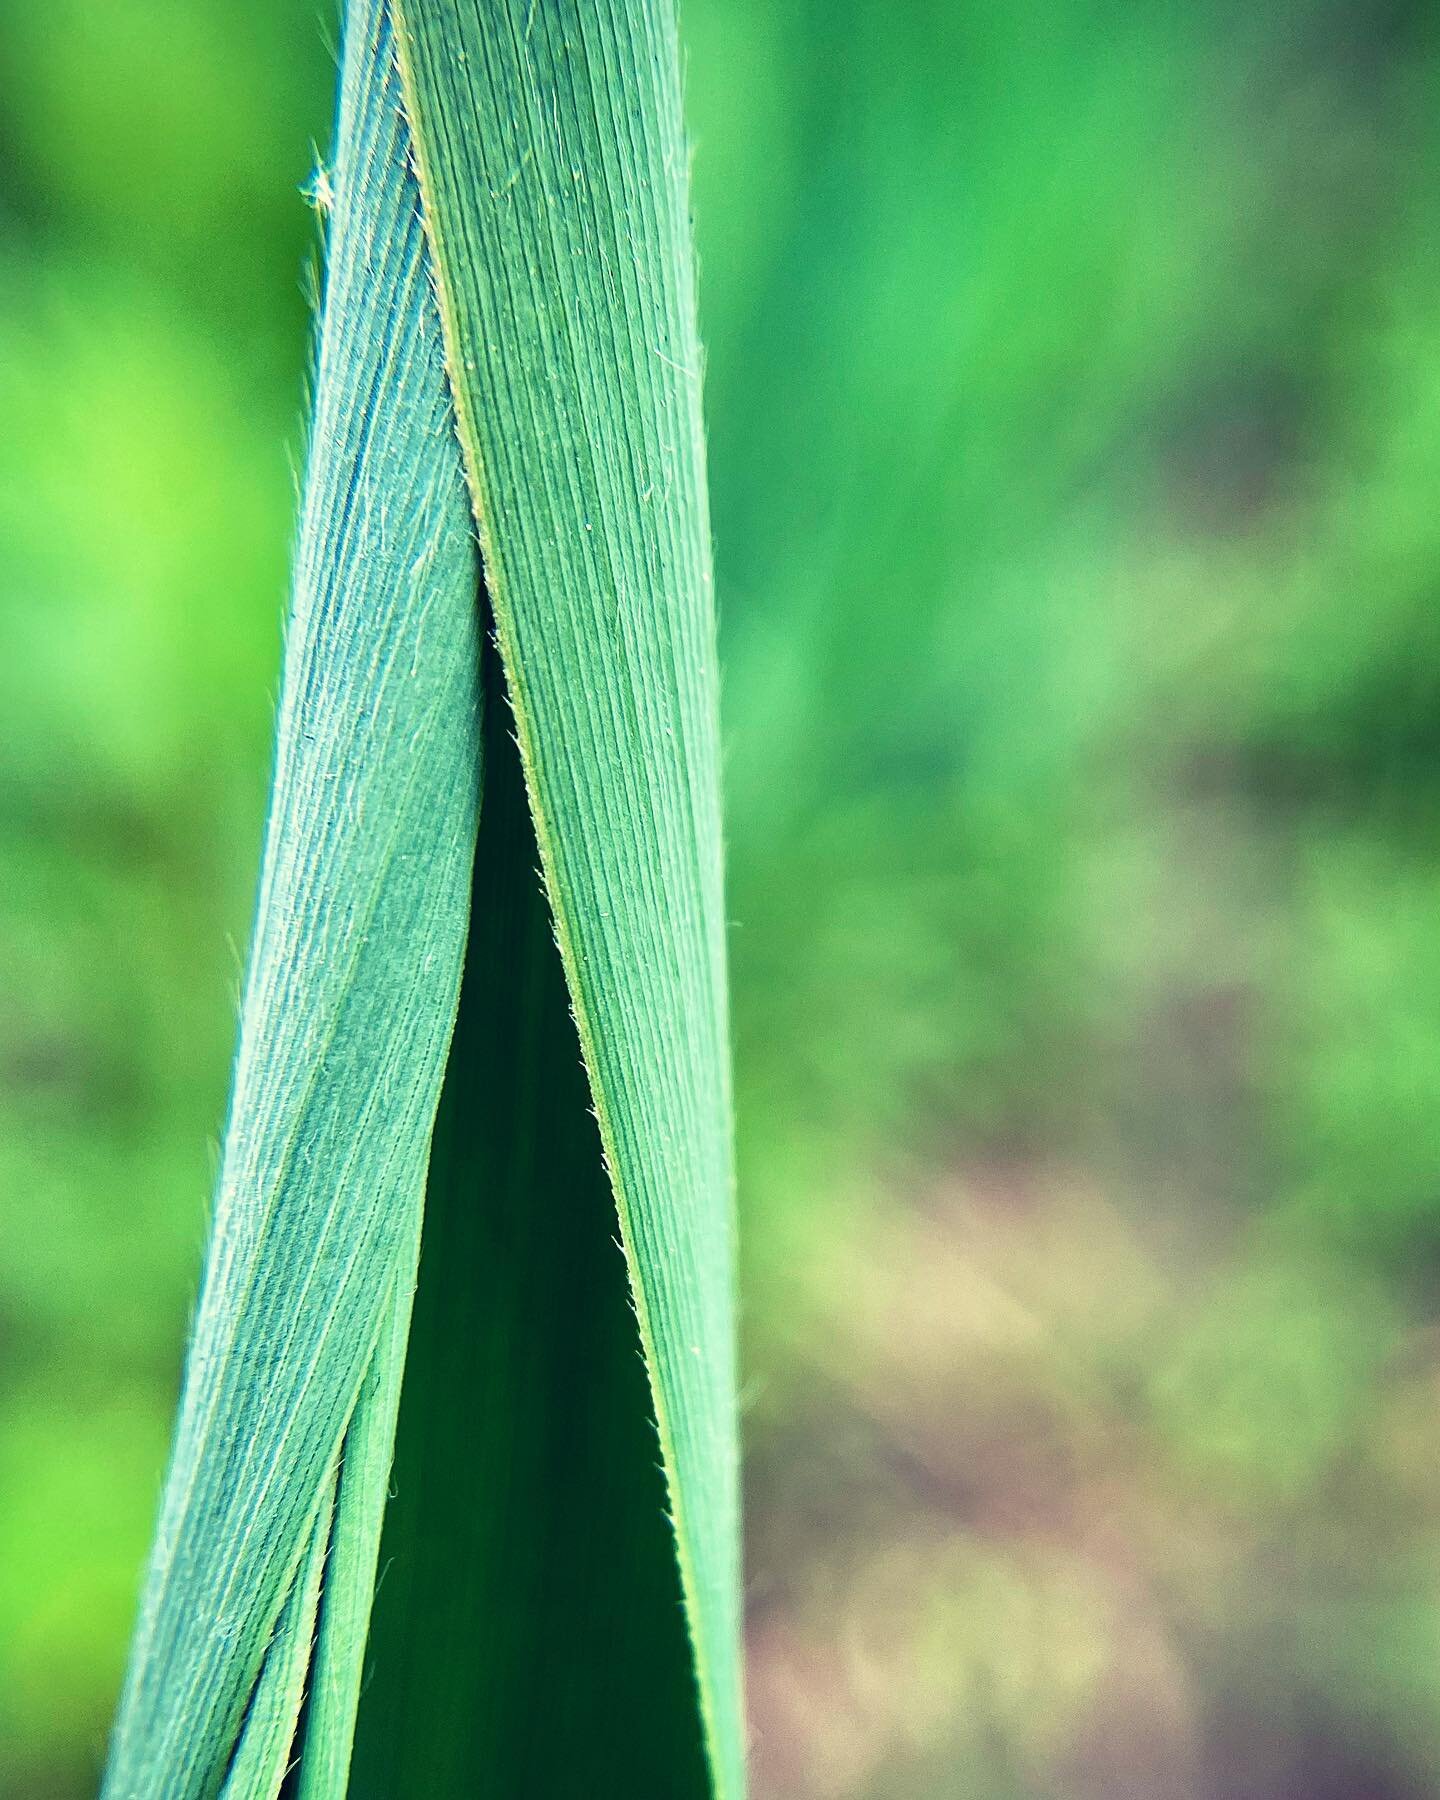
[1074,387]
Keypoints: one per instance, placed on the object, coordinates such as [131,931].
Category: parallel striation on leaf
[554,172]
[351,992]
[519,320]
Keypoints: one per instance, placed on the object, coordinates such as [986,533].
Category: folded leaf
[544,1624]
[554,170]
[353,981]
[528,1634]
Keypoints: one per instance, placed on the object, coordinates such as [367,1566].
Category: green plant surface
[349,1005]
[561,1591]
[1071,377]
[554,168]
[528,1633]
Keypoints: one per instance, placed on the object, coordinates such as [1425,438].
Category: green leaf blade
[528,1635]
[546,1626]
[260,1759]
[350,1575]
[554,172]
[354,973]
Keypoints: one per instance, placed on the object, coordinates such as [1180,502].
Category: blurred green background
[1074,387]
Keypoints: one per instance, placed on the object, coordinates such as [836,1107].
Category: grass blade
[353,977]
[364,1481]
[554,174]
[263,1752]
[528,1634]
[546,1628]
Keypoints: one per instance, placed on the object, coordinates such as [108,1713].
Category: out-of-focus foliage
[153,336]
[1074,388]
